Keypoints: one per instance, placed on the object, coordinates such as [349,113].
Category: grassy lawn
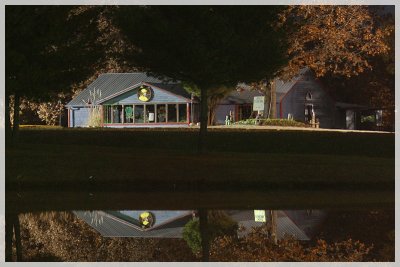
[287,163]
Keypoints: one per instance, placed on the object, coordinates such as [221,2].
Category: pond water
[119,235]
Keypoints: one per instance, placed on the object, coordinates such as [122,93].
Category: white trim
[134,87]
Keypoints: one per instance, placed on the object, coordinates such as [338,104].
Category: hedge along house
[134,100]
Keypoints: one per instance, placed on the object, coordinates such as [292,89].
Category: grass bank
[164,161]
[222,140]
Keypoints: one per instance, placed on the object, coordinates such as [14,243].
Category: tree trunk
[7,119]
[274,235]
[15,131]
[9,237]
[273,100]
[17,232]
[203,121]
[205,243]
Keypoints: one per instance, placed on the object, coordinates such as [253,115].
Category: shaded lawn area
[164,161]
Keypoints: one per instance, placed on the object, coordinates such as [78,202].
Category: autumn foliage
[334,39]
[258,246]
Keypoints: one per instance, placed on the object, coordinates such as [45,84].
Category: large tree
[47,49]
[210,47]
[332,40]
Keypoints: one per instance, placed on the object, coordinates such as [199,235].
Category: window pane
[161,112]
[117,113]
[150,111]
[128,114]
[107,114]
[139,113]
[171,112]
[182,113]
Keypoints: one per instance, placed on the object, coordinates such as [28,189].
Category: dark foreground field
[69,169]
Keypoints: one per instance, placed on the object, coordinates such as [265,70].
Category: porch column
[177,112]
[123,114]
[155,113]
[166,113]
[144,113]
[112,114]
[133,113]
[69,110]
[102,115]
[187,113]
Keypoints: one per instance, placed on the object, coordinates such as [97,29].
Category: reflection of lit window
[308,96]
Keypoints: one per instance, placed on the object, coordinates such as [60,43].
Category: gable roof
[247,95]
[282,87]
[240,97]
[111,84]
[111,226]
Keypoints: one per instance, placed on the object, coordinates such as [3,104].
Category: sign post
[258,105]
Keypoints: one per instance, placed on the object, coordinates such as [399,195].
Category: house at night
[134,100]
[140,100]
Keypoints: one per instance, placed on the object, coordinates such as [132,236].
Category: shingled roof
[113,83]
[111,226]
[246,94]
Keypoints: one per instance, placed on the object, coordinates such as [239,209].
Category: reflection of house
[300,224]
[133,99]
[168,224]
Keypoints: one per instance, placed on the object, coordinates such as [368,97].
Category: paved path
[289,128]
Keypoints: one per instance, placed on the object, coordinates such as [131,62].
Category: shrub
[191,234]
[272,122]
[219,224]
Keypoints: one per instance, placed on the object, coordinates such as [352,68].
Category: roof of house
[240,97]
[247,94]
[111,84]
[109,225]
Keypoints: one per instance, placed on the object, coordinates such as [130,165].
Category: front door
[350,119]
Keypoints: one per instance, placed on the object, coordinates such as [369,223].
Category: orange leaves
[336,32]
[257,246]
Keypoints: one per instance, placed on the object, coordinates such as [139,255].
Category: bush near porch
[272,122]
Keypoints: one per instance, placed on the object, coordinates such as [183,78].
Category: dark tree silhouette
[209,47]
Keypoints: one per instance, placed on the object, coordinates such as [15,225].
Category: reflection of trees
[64,237]
[13,229]
[258,245]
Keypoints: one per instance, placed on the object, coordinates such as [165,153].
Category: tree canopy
[208,47]
[334,39]
[48,48]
